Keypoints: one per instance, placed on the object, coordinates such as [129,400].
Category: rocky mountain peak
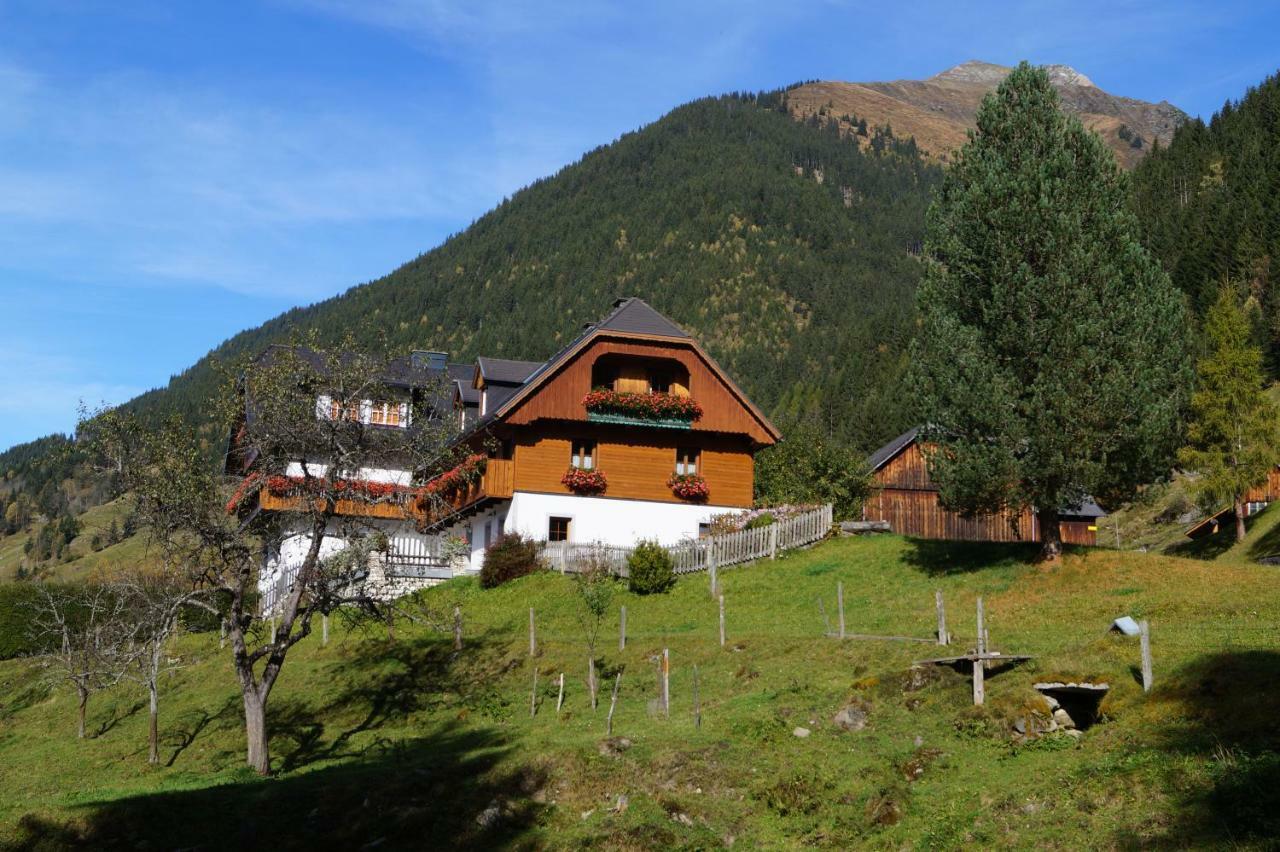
[988,73]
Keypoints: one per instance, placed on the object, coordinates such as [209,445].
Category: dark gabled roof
[403,371]
[885,454]
[462,375]
[1087,509]
[634,316]
[505,370]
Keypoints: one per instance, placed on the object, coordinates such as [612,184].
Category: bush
[764,519]
[650,569]
[510,556]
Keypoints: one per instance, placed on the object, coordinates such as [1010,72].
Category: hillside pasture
[406,742]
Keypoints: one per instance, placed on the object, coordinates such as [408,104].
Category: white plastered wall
[608,521]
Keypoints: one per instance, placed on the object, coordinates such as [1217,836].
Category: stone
[614,746]
[1063,719]
[1051,701]
[1074,733]
[851,718]
[801,732]
[621,804]
[1020,725]
[490,816]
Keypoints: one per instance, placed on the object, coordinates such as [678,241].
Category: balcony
[496,483]
[390,510]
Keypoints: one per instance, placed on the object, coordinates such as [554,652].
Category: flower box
[652,409]
[689,486]
[457,479]
[584,481]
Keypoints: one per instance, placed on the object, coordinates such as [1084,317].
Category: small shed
[907,499]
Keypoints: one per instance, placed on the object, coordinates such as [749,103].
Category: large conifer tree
[1050,361]
[1234,432]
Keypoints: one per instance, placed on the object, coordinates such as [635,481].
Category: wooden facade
[1255,499]
[636,461]
[558,394]
[907,499]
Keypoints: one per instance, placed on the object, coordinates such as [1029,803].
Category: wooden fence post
[697,704]
[613,703]
[273,630]
[622,629]
[1145,640]
[711,565]
[560,697]
[591,680]
[979,664]
[840,606]
[942,618]
[324,629]
[773,541]
[533,696]
[457,627]
[982,629]
[533,639]
[666,683]
[722,621]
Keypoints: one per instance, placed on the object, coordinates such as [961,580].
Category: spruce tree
[1234,434]
[1050,361]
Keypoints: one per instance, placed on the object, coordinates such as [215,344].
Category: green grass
[84,562]
[407,742]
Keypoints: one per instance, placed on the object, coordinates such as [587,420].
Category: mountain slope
[939,111]
[787,249]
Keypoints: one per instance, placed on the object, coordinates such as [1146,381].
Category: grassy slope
[406,742]
[84,562]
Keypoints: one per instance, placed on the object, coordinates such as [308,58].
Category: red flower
[689,486]
[584,480]
[455,479]
[647,406]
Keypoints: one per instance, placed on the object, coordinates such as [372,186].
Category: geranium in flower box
[689,486]
[582,480]
[663,409]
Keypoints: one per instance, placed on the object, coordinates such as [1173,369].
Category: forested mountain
[1210,206]
[939,112]
[787,248]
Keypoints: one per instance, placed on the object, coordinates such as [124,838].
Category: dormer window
[367,411]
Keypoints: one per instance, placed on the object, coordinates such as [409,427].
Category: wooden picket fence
[700,554]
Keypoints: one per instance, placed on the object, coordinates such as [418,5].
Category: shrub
[17,609]
[510,556]
[650,569]
[764,519]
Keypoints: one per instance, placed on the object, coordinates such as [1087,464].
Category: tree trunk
[1050,535]
[255,729]
[1240,512]
[84,703]
[153,732]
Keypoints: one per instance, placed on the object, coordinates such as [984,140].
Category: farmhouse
[631,431]
[908,500]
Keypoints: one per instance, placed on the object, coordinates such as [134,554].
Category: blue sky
[172,172]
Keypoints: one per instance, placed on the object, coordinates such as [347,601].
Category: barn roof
[885,454]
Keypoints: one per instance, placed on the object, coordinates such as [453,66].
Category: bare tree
[80,628]
[594,584]
[153,605]
[300,421]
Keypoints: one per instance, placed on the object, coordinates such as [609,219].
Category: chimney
[425,359]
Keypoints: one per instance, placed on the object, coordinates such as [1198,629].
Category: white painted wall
[609,521]
[294,545]
[367,474]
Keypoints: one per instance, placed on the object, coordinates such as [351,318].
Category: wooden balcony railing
[497,482]
[388,509]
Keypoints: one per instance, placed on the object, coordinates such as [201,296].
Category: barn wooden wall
[908,500]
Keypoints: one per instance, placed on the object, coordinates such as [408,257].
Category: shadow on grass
[936,557]
[428,792]
[393,790]
[1207,547]
[1224,712]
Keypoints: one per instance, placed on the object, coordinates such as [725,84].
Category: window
[349,410]
[660,381]
[687,460]
[558,529]
[379,413]
[584,454]
[704,529]
[384,414]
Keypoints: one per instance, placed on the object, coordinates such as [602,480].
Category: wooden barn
[1257,499]
[907,499]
